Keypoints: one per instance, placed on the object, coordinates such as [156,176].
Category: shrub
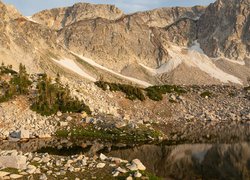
[7,69]
[155,92]
[206,94]
[52,98]
[21,80]
[18,85]
[131,92]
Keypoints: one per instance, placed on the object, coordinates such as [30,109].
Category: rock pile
[45,166]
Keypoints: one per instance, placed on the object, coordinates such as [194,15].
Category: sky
[29,7]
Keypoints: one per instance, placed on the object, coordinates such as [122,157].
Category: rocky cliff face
[224,29]
[136,38]
[60,17]
[166,16]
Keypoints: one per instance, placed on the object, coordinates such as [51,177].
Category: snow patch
[93,63]
[151,70]
[194,57]
[71,65]
[196,47]
[240,62]
[30,19]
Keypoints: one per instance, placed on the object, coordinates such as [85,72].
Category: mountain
[60,17]
[193,45]
[224,29]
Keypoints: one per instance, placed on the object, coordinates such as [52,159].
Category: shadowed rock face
[193,161]
[224,29]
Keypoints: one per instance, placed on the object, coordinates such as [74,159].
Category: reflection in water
[190,161]
[199,161]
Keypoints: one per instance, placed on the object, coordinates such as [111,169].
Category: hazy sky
[29,7]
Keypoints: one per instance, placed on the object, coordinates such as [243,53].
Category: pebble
[100,165]
[137,174]
[139,164]
[103,157]
[15,176]
[43,177]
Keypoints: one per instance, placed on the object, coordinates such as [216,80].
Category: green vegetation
[49,98]
[6,69]
[53,97]
[10,170]
[142,134]
[206,94]
[155,92]
[131,92]
[17,85]
[21,80]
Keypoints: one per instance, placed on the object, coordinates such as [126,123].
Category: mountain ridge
[134,45]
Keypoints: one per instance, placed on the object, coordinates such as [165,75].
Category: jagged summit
[60,17]
[224,29]
[8,12]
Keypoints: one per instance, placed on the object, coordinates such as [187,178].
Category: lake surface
[186,161]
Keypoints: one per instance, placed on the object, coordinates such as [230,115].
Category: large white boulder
[24,134]
[17,162]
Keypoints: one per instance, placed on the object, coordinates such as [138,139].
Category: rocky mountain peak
[224,29]
[60,17]
[8,12]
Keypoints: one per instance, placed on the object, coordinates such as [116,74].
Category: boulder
[63,124]
[100,165]
[24,134]
[132,167]
[137,174]
[2,174]
[15,135]
[69,118]
[17,162]
[31,169]
[15,176]
[120,124]
[103,157]
[139,164]
[59,114]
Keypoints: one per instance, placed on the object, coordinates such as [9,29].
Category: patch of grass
[156,92]
[35,164]
[11,170]
[131,92]
[206,94]
[150,175]
[143,134]
[64,151]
